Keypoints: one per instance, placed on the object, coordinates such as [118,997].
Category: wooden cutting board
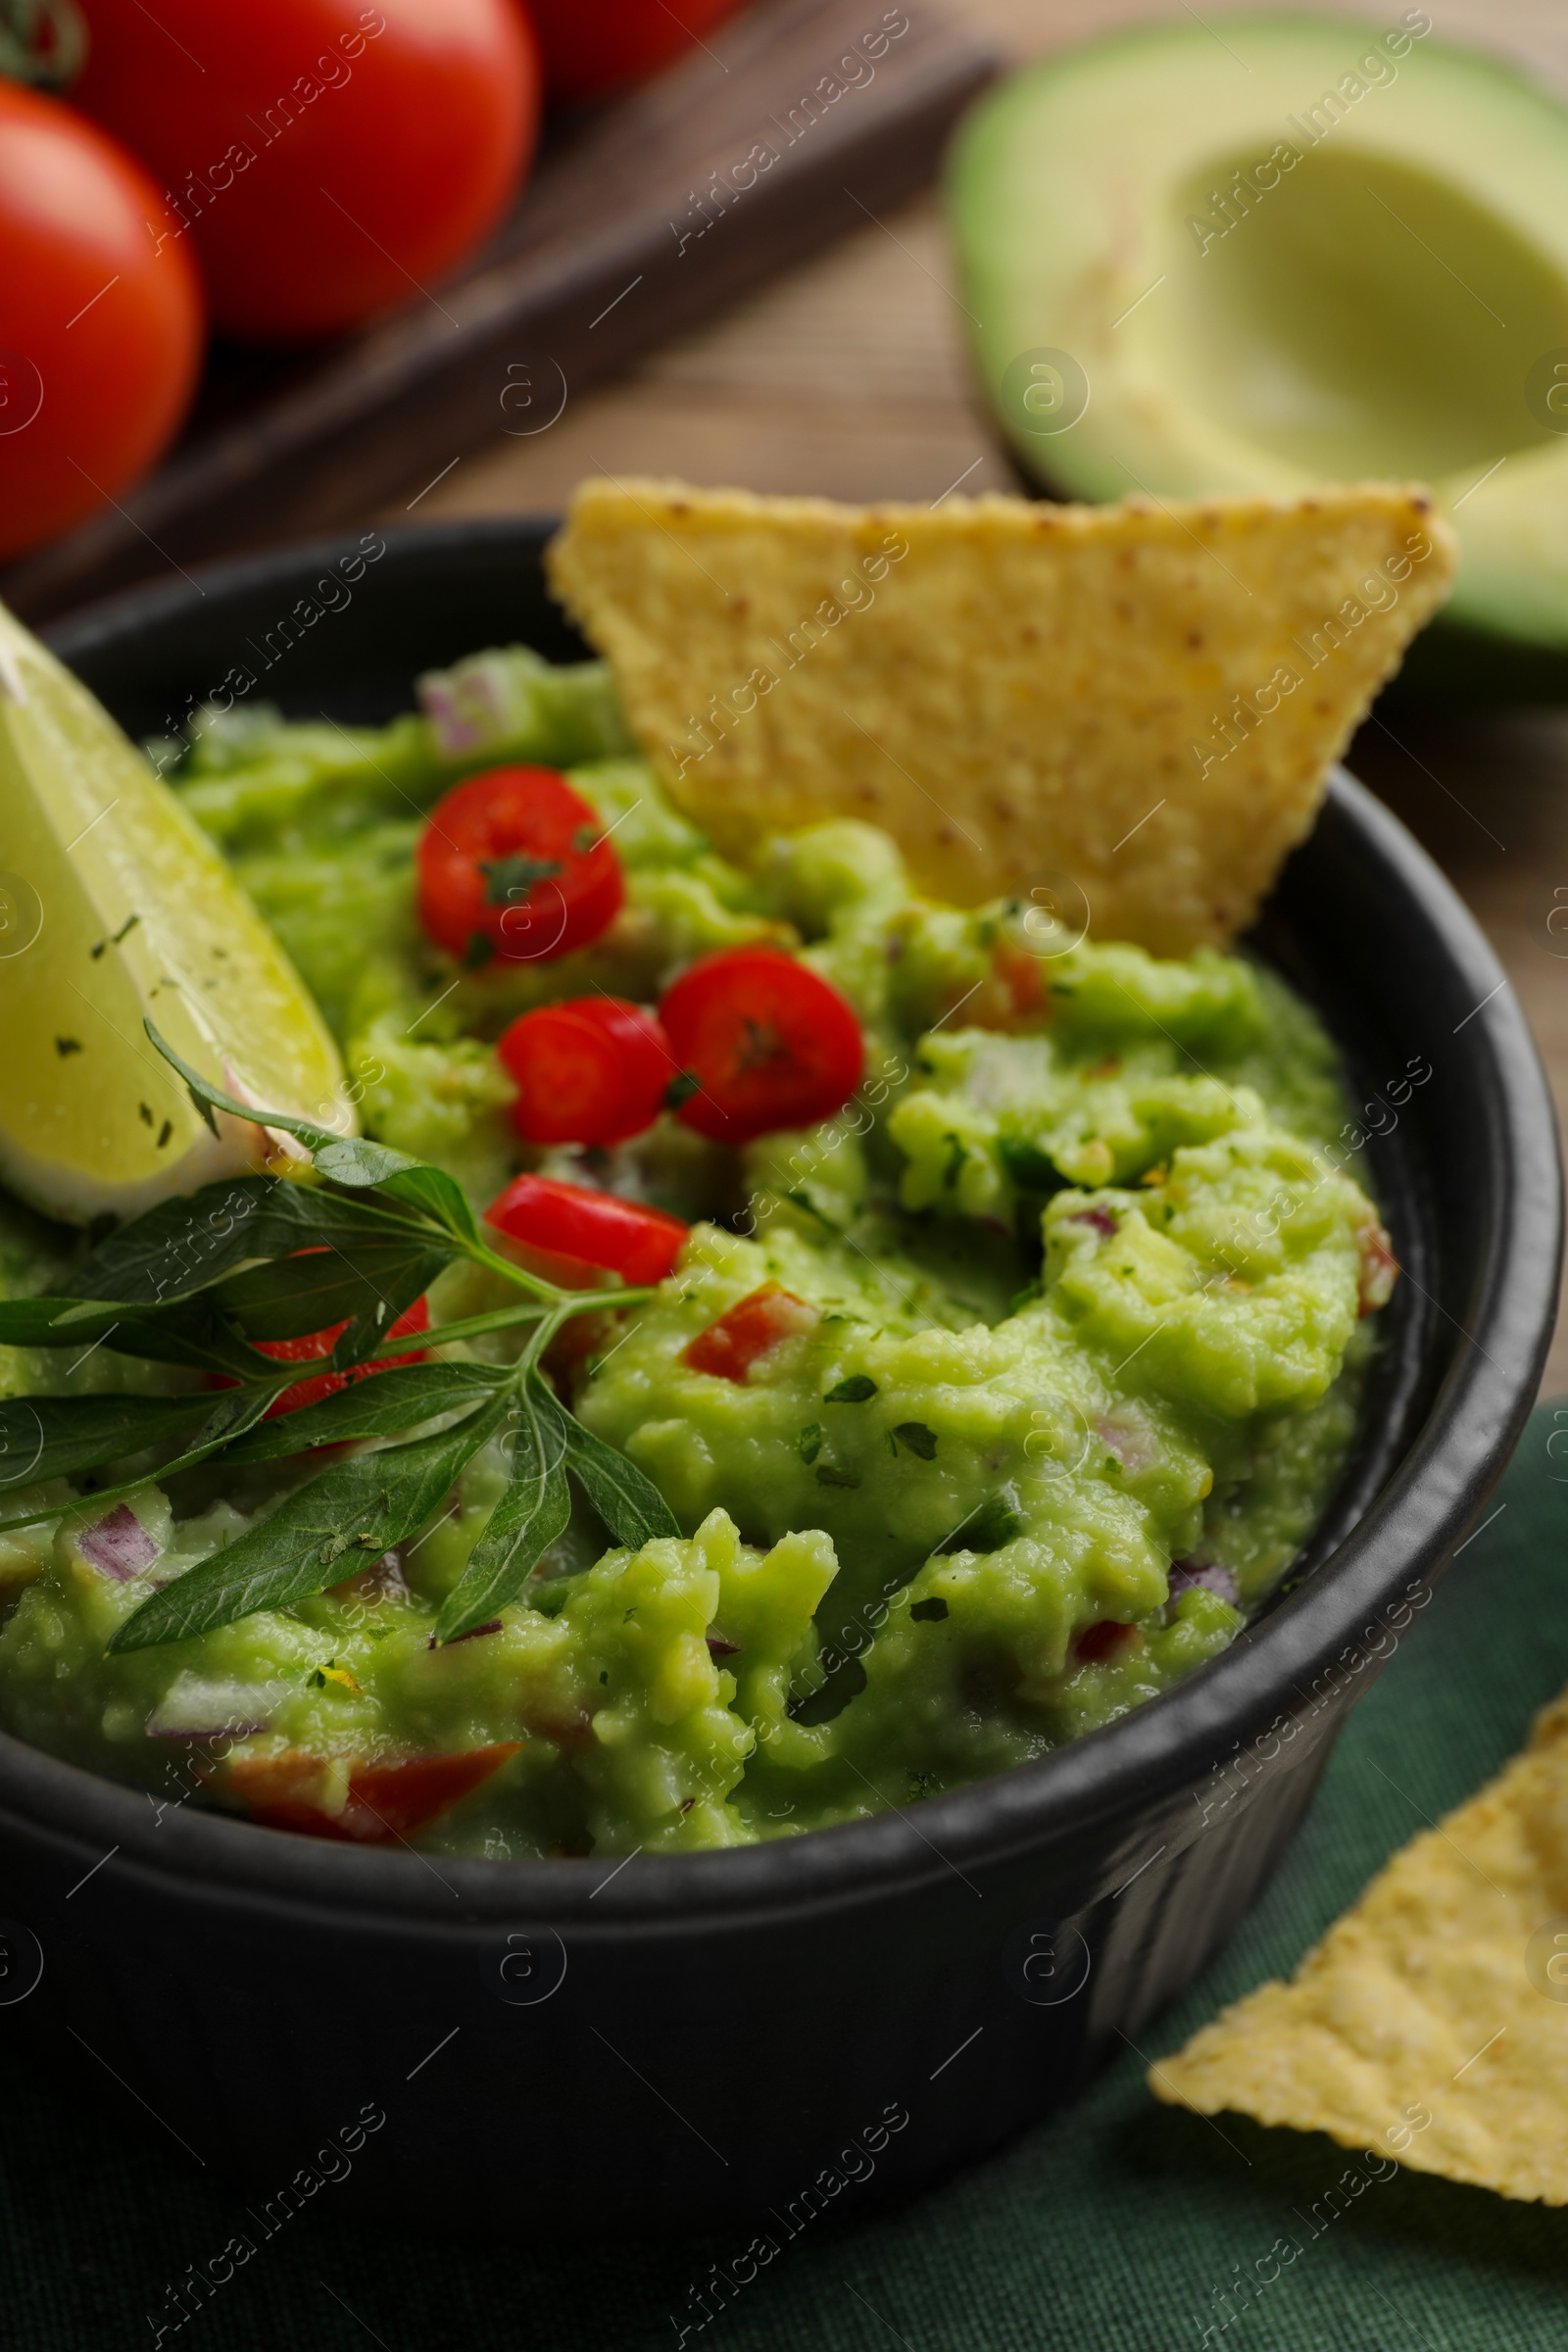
[802,117]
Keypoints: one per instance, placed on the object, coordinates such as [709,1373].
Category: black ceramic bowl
[680,2042]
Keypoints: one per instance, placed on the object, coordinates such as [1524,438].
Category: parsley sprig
[197,1280]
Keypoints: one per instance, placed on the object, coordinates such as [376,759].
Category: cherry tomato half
[593,48]
[386,1800]
[328,160]
[595,1229]
[514,864]
[100,332]
[768,1043]
[592,1070]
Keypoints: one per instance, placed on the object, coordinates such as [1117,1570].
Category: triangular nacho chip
[1141,699]
[1431,2023]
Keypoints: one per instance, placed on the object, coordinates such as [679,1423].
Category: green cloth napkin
[1109,2229]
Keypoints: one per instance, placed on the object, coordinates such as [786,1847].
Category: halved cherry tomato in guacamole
[590,1069]
[768,1044]
[514,864]
[385,1801]
[573,1223]
[747,1330]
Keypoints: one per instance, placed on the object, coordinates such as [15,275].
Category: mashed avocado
[1066,1367]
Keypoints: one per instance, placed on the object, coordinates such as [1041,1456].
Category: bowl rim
[1125,1770]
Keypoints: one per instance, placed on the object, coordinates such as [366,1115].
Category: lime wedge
[114,907]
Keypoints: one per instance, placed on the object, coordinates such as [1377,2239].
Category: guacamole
[1057,1331]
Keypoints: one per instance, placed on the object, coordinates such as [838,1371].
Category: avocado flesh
[1269,280]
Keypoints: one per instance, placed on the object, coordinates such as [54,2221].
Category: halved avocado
[1290,248]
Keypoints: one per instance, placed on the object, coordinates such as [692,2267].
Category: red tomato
[385,1801]
[592,1070]
[594,1228]
[747,1330]
[319,1343]
[1098,1643]
[513,864]
[329,159]
[768,1043]
[100,332]
[588,48]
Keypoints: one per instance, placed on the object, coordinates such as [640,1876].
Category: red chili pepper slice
[587,1228]
[590,1069]
[385,1801]
[514,864]
[768,1043]
[747,1330]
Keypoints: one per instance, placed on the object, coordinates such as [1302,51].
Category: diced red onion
[1099,1218]
[1213,1579]
[118,1545]
[719,1647]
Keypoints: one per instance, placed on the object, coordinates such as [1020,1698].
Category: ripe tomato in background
[330,160]
[591,45]
[100,333]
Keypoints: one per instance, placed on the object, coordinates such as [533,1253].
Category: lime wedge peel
[114,907]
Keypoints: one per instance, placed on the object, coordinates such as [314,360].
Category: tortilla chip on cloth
[1142,698]
[1432,2021]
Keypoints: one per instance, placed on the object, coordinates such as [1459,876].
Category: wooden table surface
[848,377]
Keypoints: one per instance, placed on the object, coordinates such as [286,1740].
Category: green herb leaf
[997,1521]
[195,1239]
[51,1437]
[628,1503]
[828,1474]
[917,1438]
[387,1404]
[336,1523]
[293,1298]
[855,1389]
[811,1440]
[356,1161]
[209,1098]
[189,1330]
[509,880]
[438,1196]
[225,1419]
[525,1522]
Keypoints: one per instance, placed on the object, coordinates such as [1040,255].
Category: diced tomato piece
[572,1222]
[321,1343]
[514,864]
[385,1801]
[1013,993]
[768,1043]
[1378,1268]
[747,1330]
[590,1070]
[1098,1643]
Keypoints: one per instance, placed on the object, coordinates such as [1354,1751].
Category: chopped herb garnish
[829,1476]
[507,880]
[811,1440]
[68,1045]
[916,1436]
[354,1252]
[856,1387]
